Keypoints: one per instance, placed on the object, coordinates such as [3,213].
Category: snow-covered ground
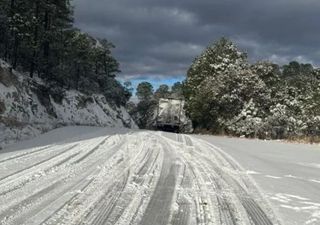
[86,175]
[288,174]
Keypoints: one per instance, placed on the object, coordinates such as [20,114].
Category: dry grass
[304,139]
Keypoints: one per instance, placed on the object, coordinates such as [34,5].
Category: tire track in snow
[42,203]
[73,198]
[83,183]
[158,210]
[145,162]
[135,182]
[224,205]
[40,196]
[188,140]
[62,216]
[36,197]
[7,214]
[226,215]
[179,138]
[236,197]
[25,180]
[144,182]
[255,213]
[57,216]
[114,203]
[22,183]
[227,207]
[182,216]
[28,153]
[206,203]
[91,151]
[201,213]
[37,164]
[109,202]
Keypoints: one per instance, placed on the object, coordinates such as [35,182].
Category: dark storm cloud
[162,37]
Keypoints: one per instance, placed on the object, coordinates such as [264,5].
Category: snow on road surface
[288,174]
[128,177]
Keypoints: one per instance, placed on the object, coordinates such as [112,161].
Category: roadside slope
[28,107]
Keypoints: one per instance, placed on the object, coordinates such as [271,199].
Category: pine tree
[218,85]
[162,92]
[37,36]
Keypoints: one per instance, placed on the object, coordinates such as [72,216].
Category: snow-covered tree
[225,94]
[219,84]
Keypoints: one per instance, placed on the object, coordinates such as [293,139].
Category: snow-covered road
[288,174]
[102,176]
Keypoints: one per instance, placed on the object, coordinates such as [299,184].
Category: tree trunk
[13,55]
[46,44]
[15,52]
[35,41]
[12,4]
[105,65]
[6,52]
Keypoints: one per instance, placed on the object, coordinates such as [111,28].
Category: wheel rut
[158,210]
[37,164]
[136,178]
[223,180]
[28,153]
[109,201]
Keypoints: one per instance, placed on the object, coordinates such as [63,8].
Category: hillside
[28,108]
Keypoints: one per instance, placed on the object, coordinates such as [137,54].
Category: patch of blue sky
[155,81]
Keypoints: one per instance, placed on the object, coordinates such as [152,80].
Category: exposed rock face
[28,108]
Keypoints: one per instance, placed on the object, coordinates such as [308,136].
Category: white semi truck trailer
[170,114]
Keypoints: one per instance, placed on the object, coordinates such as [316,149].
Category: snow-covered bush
[247,123]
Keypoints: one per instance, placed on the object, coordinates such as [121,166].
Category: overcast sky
[160,38]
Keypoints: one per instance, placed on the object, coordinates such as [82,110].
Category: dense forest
[38,38]
[225,94]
